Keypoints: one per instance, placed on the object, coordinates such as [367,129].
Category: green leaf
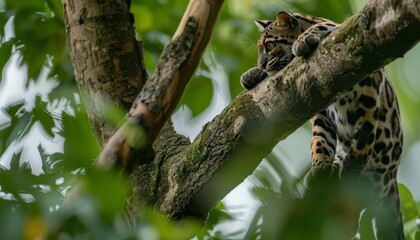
[80,147]
[57,8]
[113,114]
[217,215]
[42,116]
[4,17]
[20,124]
[365,226]
[409,207]
[6,52]
[100,184]
[254,230]
[7,128]
[34,28]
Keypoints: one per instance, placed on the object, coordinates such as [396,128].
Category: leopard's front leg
[252,77]
[309,40]
[323,148]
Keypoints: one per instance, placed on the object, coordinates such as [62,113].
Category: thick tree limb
[189,179]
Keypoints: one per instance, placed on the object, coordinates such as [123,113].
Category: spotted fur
[359,134]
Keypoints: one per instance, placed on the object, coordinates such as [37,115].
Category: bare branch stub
[157,88]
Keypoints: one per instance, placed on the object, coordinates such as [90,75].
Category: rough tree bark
[107,59]
[189,178]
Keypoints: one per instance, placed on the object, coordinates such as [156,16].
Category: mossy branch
[230,147]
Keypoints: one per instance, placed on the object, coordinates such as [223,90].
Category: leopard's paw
[305,45]
[308,41]
[252,77]
[322,173]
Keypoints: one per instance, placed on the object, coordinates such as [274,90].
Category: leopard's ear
[262,24]
[287,19]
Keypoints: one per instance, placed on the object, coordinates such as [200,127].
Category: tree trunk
[187,178]
[107,59]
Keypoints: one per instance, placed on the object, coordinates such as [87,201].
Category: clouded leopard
[360,132]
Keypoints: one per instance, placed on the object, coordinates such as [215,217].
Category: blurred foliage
[287,211]
[32,36]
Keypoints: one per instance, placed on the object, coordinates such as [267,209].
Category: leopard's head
[275,43]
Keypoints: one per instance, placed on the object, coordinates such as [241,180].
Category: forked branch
[131,144]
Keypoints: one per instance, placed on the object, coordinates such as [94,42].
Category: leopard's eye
[269,46]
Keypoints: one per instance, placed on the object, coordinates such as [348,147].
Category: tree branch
[131,144]
[190,179]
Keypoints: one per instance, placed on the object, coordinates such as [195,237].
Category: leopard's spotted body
[359,133]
